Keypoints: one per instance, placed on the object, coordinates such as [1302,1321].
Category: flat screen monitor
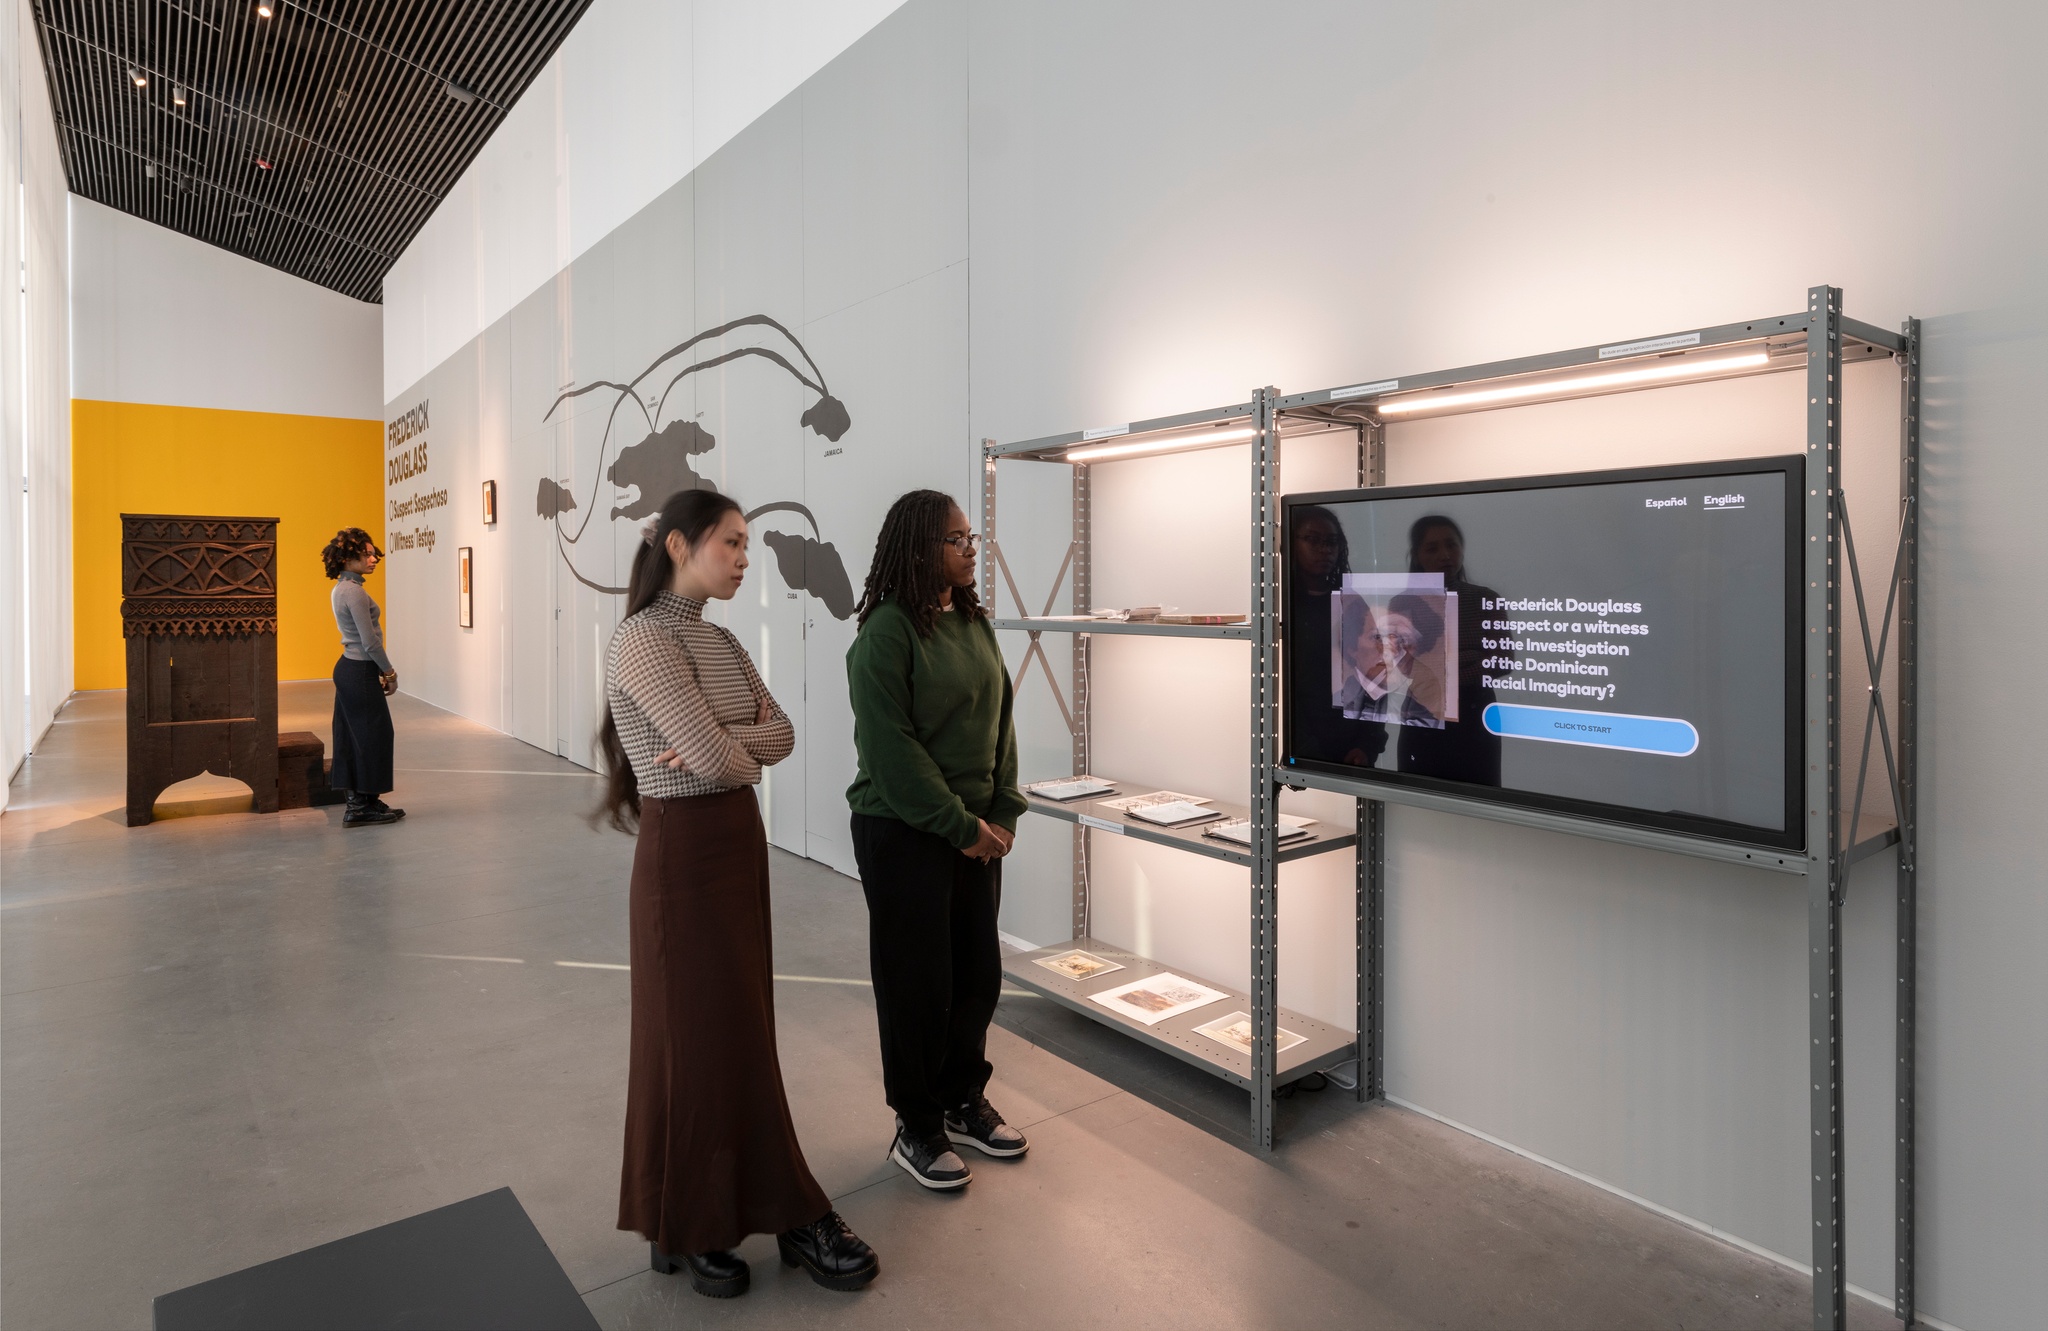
[1618,645]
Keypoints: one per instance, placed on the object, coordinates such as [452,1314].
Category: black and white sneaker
[977,1124]
[932,1163]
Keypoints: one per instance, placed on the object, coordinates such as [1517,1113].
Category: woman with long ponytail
[711,1154]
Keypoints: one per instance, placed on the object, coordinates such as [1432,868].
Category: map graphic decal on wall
[645,473]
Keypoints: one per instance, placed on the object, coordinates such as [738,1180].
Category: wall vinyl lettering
[646,472]
[490,503]
[466,608]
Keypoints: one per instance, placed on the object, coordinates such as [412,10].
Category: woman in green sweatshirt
[935,805]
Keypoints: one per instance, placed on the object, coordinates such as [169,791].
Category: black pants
[362,730]
[936,964]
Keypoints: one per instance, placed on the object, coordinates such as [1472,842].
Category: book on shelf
[1201,619]
[1293,827]
[1174,813]
[1070,788]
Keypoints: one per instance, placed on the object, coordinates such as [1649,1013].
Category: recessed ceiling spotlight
[459,93]
[136,77]
[177,95]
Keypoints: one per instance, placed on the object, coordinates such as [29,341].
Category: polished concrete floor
[226,1037]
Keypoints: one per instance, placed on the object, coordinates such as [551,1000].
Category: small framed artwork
[467,608]
[490,503]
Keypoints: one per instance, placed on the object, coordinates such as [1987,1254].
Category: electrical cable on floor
[1338,1079]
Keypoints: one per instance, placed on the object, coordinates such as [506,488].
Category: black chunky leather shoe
[832,1253]
[369,813]
[715,1275]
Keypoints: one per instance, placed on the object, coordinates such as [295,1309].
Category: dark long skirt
[362,729]
[711,1154]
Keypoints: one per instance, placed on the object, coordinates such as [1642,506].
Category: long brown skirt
[711,1154]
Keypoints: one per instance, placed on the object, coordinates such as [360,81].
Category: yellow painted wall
[315,474]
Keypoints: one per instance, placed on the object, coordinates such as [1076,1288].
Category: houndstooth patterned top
[676,680]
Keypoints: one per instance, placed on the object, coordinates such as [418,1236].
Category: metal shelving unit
[1819,340]
[1248,423]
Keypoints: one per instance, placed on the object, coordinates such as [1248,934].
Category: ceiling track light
[263,10]
[1686,368]
[1161,445]
[177,95]
[137,77]
[459,93]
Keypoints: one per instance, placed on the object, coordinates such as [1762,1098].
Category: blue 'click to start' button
[1602,730]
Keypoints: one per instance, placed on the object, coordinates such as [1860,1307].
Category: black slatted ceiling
[348,101]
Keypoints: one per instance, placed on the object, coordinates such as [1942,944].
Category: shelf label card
[1101,824]
[1360,390]
[1672,343]
[1105,432]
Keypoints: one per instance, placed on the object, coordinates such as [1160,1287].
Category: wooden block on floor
[302,772]
[479,1263]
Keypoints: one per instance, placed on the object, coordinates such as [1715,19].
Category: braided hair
[906,567]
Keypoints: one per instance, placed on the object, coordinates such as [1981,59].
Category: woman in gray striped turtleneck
[363,678]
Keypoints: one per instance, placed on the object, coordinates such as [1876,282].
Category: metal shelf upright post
[1264,1068]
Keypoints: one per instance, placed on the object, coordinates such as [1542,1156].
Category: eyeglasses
[969,542]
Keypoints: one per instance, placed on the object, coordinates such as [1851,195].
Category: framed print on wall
[467,616]
[490,503]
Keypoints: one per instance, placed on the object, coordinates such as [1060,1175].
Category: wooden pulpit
[199,612]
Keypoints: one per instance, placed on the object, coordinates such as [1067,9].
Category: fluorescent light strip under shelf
[1160,445]
[1649,374]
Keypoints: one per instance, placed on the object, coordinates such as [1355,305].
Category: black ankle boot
[367,810]
[832,1253]
[715,1275]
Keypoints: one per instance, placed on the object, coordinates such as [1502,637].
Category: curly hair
[906,567]
[348,543]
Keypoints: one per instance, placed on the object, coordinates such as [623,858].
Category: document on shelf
[1235,1030]
[1154,999]
[1175,813]
[1293,827]
[1070,788]
[1132,803]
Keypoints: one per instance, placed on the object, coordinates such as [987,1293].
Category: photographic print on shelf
[1157,997]
[1079,965]
[466,610]
[1235,1030]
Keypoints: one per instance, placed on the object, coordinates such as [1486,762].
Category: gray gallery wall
[991,220]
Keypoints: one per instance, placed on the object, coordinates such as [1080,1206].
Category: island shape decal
[648,472]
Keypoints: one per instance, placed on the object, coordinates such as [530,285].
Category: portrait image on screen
[1616,645]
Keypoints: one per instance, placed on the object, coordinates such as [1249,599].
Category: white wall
[35,490]
[1166,206]
[161,318]
[641,93]
[1167,214]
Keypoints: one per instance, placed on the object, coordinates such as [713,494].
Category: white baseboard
[1882,1300]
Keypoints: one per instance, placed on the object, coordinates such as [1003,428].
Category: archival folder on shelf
[1620,645]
